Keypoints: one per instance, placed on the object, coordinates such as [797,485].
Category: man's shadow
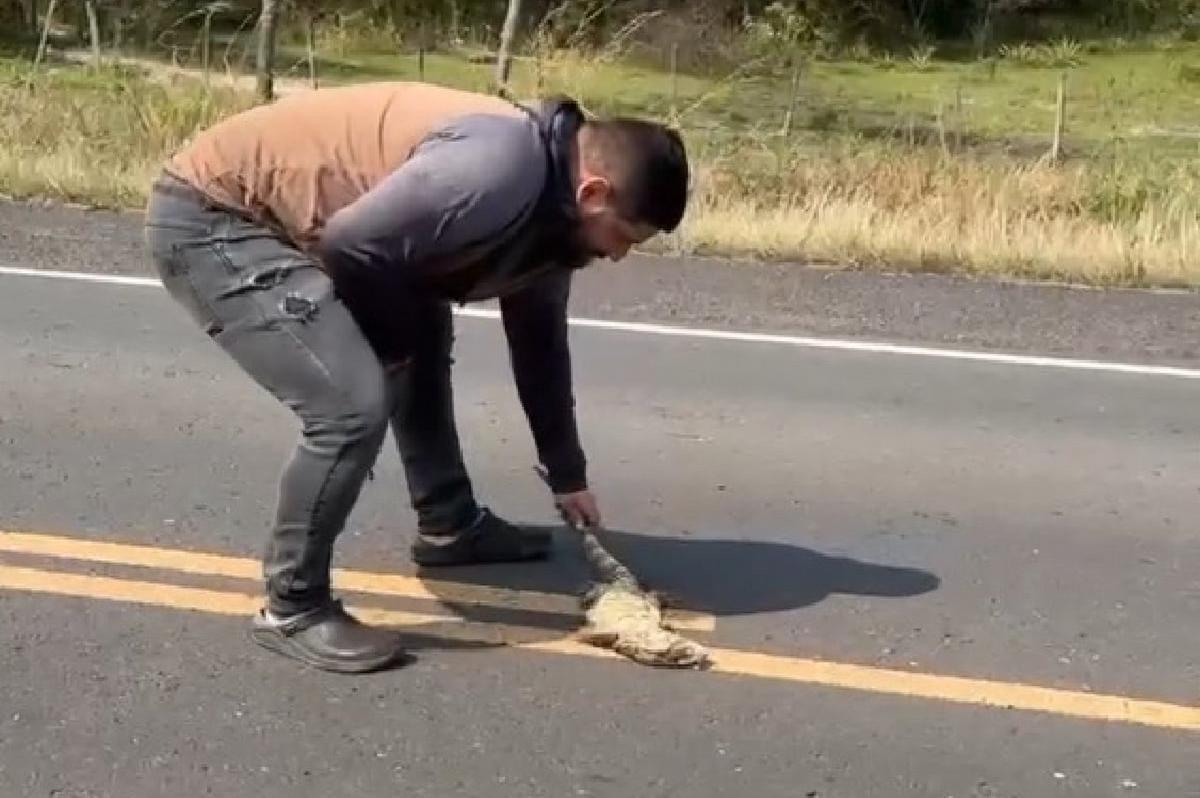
[718,577]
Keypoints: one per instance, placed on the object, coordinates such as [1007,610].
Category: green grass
[95,138]
[1140,97]
[1149,96]
[922,163]
[607,85]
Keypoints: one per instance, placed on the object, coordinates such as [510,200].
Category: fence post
[792,97]
[265,67]
[941,121]
[310,41]
[958,118]
[206,47]
[674,82]
[1060,120]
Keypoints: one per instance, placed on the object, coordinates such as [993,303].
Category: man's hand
[578,509]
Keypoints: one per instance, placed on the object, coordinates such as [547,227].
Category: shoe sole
[273,641]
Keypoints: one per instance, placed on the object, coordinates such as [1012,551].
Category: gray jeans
[275,312]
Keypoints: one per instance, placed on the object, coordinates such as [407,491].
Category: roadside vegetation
[1009,140]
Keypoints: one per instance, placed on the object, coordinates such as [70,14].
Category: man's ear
[593,192]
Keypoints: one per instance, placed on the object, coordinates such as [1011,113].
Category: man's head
[631,183]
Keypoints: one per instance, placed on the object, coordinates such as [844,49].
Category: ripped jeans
[270,307]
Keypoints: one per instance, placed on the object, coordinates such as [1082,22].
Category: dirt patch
[171,74]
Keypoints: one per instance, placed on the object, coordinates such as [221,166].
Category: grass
[931,163]
[96,138]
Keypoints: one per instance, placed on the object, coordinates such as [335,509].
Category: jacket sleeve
[535,323]
[462,186]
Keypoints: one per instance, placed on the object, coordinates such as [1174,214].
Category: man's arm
[535,323]
[461,187]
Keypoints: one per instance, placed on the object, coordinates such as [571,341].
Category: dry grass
[99,139]
[920,211]
[862,232]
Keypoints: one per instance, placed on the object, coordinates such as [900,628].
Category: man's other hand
[578,509]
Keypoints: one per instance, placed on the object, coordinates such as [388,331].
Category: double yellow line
[955,689]
[378,584]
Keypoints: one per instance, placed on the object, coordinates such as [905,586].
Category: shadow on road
[721,577]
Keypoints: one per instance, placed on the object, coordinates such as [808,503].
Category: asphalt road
[928,309]
[994,527]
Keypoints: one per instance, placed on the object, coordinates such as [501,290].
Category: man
[320,241]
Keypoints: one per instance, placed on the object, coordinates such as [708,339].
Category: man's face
[605,231]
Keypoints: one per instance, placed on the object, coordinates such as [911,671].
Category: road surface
[923,575]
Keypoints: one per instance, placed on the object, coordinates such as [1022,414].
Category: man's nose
[619,253]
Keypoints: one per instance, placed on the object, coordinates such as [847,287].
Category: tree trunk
[89,7]
[41,50]
[118,29]
[151,19]
[29,15]
[266,51]
[455,22]
[507,34]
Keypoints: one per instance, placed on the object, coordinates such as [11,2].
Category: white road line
[672,331]
[80,277]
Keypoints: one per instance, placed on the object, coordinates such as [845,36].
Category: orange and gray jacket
[410,193]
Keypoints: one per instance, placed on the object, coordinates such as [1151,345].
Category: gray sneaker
[329,638]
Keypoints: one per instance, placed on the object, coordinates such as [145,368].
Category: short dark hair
[647,164]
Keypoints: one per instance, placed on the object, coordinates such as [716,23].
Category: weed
[921,58]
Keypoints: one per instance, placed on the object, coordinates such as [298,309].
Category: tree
[265,70]
[504,55]
[41,50]
[119,18]
[93,30]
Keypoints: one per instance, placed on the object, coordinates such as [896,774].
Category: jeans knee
[362,417]
[367,416]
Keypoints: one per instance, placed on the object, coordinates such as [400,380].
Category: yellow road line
[157,594]
[379,584]
[863,678]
